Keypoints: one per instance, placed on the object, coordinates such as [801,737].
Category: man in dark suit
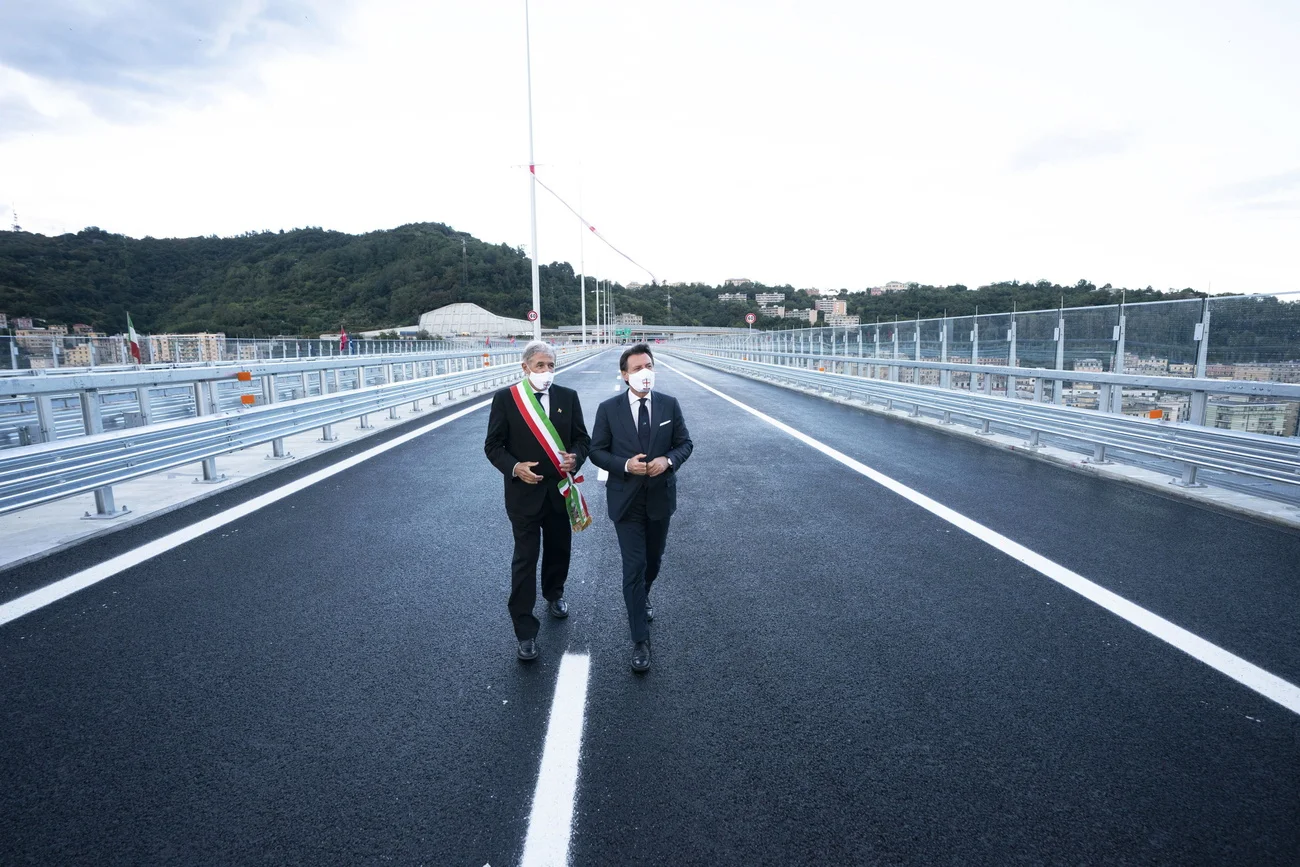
[537,511]
[640,438]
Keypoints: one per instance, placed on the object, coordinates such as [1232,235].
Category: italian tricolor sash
[531,409]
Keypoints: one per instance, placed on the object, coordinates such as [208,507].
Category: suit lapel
[623,416]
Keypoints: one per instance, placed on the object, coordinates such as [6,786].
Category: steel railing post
[1058,385]
[93,422]
[205,403]
[1011,357]
[45,418]
[269,394]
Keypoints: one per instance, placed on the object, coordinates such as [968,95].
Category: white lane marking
[551,823]
[50,593]
[107,569]
[602,475]
[1247,674]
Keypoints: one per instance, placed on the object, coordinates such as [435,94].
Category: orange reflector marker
[248,399]
[1156,413]
[821,370]
[244,376]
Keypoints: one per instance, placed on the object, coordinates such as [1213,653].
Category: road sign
[751,318]
[532,315]
[622,332]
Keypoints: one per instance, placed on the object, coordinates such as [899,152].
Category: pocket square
[662,423]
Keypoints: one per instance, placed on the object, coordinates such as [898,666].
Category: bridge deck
[840,676]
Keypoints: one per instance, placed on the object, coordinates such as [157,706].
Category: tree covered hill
[311,281]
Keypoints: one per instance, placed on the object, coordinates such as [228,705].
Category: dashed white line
[1247,674]
[550,824]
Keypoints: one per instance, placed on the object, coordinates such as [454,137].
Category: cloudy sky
[828,143]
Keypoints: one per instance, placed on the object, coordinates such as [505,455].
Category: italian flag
[544,431]
[134,338]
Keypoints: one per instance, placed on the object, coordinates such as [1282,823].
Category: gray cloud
[112,51]
[1071,147]
[1269,193]
[19,115]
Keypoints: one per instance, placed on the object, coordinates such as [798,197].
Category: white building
[769,297]
[473,320]
[894,286]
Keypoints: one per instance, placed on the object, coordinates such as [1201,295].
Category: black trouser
[641,540]
[548,530]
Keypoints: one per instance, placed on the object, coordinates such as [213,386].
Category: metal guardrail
[37,474]
[40,406]
[1191,447]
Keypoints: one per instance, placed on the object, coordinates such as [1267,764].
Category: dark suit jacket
[510,441]
[614,441]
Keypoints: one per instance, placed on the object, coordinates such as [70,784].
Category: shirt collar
[632,398]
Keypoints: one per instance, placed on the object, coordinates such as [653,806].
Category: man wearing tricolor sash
[537,439]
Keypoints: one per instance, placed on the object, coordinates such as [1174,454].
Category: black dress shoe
[649,610]
[528,650]
[559,609]
[641,656]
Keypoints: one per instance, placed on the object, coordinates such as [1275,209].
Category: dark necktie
[539,395]
[643,426]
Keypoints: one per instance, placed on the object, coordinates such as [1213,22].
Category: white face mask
[541,381]
[643,380]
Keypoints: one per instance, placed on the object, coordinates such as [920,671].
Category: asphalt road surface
[839,676]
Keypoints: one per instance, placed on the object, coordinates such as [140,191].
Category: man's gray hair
[538,347]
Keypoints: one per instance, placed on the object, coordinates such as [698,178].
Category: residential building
[1246,415]
[81,328]
[4,321]
[626,320]
[1182,370]
[1148,366]
[831,305]
[769,297]
[806,314]
[23,322]
[737,281]
[772,312]
[1288,371]
[733,296]
[186,348]
[894,286]
[35,341]
[838,319]
[636,286]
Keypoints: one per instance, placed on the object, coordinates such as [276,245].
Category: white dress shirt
[635,403]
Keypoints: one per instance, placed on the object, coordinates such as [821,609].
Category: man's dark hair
[634,349]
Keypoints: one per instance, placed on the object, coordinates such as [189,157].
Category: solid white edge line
[550,824]
[1246,673]
[64,587]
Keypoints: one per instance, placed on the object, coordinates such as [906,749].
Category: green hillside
[310,281]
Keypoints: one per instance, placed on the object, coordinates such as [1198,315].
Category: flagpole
[532,182]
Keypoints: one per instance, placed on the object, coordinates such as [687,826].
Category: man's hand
[524,472]
[657,467]
[568,461]
[637,466]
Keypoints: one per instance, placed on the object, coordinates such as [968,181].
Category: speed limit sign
[751,318]
[532,315]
